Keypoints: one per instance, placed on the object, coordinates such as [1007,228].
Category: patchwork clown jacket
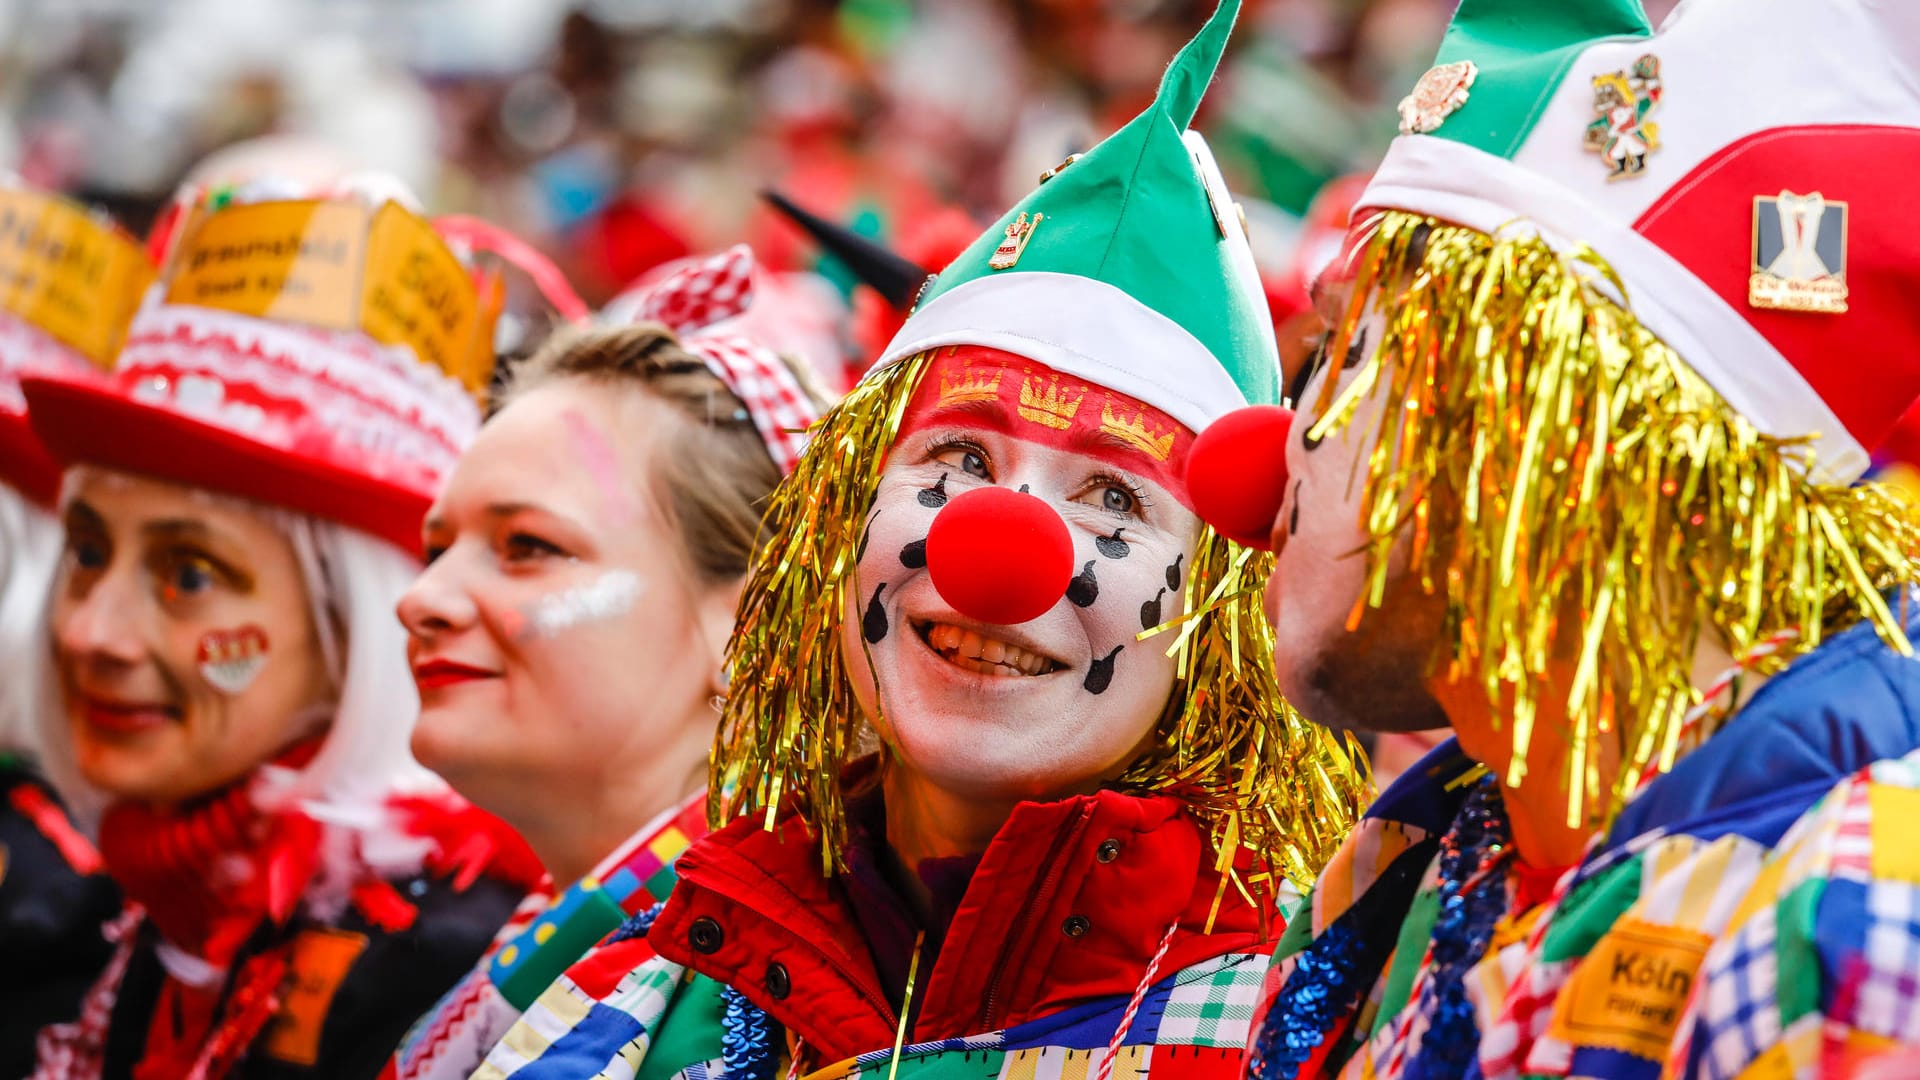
[1753,913]
[545,936]
[758,960]
[53,900]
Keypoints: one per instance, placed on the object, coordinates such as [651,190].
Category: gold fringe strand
[1262,779]
[1611,507]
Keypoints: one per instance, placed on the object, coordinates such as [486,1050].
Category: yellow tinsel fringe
[1604,508]
[1260,777]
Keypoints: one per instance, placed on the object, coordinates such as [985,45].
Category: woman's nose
[437,602]
[103,622]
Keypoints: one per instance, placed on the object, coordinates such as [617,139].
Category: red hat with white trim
[69,281]
[1747,171]
[323,354]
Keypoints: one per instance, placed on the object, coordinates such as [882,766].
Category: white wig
[29,553]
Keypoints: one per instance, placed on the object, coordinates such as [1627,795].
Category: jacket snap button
[778,984]
[705,936]
[1075,926]
[1108,850]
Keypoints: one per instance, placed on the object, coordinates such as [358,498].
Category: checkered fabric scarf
[698,302]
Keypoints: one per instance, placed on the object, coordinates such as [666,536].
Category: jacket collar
[1069,902]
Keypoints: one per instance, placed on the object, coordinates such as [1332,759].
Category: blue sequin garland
[637,924]
[1325,983]
[1473,897]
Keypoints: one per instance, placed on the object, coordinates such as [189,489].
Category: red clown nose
[1237,473]
[999,555]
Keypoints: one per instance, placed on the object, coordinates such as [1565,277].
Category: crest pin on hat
[1621,133]
[1799,254]
[1438,93]
[1007,255]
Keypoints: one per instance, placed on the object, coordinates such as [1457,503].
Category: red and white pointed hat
[326,354]
[1747,169]
[69,282]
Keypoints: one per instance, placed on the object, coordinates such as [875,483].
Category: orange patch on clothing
[320,962]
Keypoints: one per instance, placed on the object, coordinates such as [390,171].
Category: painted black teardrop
[914,555]
[1083,590]
[875,623]
[936,496]
[1173,572]
[1112,546]
[1150,611]
[1293,516]
[1100,672]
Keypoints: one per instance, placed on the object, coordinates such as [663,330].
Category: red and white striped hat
[324,354]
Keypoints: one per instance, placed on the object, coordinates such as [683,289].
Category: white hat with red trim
[324,354]
[1747,169]
[69,281]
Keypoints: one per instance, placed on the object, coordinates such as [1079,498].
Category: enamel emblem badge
[1621,132]
[1438,93]
[1799,254]
[1018,233]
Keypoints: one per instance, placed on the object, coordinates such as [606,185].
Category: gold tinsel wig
[1264,780]
[1603,502]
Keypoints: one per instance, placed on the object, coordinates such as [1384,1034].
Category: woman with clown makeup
[1002,776]
[241,508]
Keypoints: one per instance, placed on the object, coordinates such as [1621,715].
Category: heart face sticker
[231,659]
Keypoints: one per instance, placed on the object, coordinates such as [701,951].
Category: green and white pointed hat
[1746,169]
[1128,267]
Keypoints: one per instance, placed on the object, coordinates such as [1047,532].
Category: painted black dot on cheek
[1112,546]
[874,625]
[1100,672]
[914,555]
[1173,572]
[1150,611]
[936,496]
[1083,590]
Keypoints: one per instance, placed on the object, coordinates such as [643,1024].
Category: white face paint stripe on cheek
[609,596]
[230,660]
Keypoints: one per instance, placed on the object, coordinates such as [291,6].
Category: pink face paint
[609,596]
[231,659]
[602,463]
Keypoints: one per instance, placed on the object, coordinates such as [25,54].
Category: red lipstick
[438,674]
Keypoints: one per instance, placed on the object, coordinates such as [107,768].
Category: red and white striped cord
[1133,1006]
[1691,721]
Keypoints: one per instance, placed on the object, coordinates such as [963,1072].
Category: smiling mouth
[976,652]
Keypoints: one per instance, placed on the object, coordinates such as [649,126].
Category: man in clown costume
[1070,849]
[1573,478]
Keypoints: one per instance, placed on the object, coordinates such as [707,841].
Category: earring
[718,703]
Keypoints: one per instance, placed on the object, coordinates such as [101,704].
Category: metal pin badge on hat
[1438,93]
[1621,132]
[1019,232]
[1799,254]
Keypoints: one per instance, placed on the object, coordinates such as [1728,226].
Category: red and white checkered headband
[698,302]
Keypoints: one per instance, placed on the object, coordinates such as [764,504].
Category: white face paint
[608,596]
